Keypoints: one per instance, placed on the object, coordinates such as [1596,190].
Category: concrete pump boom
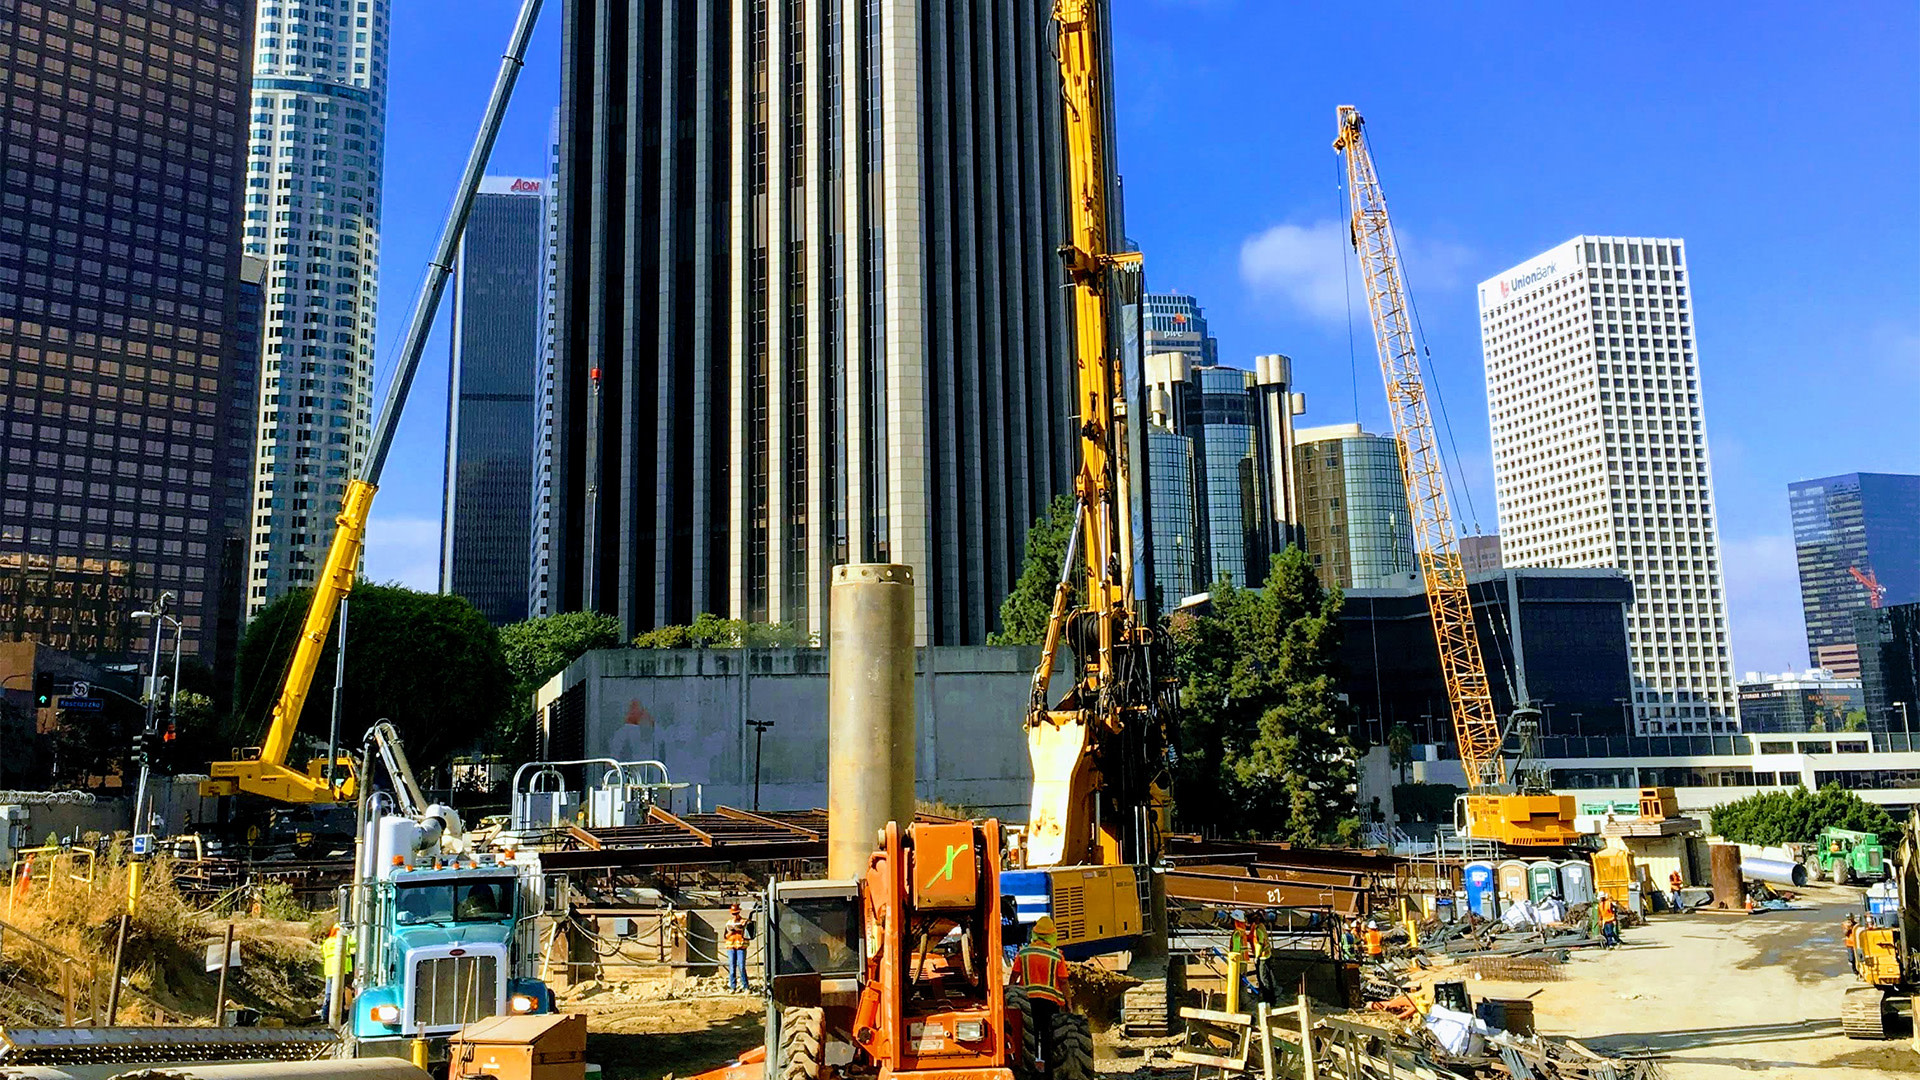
[269,775]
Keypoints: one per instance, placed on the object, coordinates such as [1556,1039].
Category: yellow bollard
[420,1053]
[135,870]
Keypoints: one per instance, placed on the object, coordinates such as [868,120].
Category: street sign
[84,704]
[80,690]
[213,956]
[143,846]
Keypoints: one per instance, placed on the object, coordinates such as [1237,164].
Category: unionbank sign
[1530,275]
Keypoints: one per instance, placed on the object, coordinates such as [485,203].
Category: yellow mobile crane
[266,772]
[1100,752]
[1493,809]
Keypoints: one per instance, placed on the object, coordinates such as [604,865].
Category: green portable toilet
[1543,881]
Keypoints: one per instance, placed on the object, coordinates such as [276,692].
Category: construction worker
[1609,921]
[734,940]
[1673,886]
[1375,950]
[1852,937]
[1350,940]
[1263,956]
[1040,968]
[336,963]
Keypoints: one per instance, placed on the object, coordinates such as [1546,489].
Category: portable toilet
[1543,880]
[1576,882]
[1512,878]
[1482,897]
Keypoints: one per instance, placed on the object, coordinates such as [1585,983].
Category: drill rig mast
[1100,752]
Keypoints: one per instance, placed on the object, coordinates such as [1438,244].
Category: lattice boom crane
[1492,811]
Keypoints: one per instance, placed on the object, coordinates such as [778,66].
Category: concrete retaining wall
[688,707]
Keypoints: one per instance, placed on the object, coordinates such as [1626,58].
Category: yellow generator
[1517,820]
[1094,908]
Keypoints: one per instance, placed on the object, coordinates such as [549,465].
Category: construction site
[594,916]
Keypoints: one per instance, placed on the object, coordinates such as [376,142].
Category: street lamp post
[759,735]
[159,615]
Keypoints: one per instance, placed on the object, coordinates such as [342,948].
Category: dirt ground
[1721,996]
[1716,996]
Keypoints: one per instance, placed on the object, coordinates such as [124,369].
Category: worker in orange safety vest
[733,940]
[1609,921]
[1374,947]
[1852,940]
[1040,968]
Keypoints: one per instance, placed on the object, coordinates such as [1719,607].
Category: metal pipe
[1777,871]
[870,710]
[339,686]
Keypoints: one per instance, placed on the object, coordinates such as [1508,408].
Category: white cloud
[1312,267]
[1303,265]
[405,550]
[1763,604]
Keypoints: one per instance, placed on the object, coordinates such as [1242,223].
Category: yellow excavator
[263,770]
[1888,947]
[1524,814]
[1100,751]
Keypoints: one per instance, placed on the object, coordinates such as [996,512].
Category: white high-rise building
[1600,455]
[318,124]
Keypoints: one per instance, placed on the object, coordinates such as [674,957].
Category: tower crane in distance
[1527,814]
[1099,752]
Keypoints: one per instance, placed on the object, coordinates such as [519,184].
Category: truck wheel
[1863,1013]
[802,1031]
[1022,1055]
[1842,873]
[1072,1048]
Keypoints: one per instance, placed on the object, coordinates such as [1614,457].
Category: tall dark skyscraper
[1851,533]
[811,305]
[499,276]
[124,358]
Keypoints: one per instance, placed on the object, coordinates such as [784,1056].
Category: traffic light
[139,747]
[43,689]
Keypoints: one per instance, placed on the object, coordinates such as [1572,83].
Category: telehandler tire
[1027,1053]
[802,1036]
[1072,1048]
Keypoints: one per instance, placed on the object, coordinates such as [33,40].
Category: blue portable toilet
[1576,881]
[1482,890]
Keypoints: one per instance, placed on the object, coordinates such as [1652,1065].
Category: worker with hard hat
[734,941]
[1851,936]
[1040,968]
[1375,947]
[1609,921]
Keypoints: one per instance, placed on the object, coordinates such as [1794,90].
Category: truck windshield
[444,902]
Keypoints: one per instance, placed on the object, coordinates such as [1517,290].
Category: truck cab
[445,949]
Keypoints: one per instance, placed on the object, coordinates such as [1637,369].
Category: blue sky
[1782,141]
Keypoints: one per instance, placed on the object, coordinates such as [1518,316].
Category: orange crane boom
[1492,809]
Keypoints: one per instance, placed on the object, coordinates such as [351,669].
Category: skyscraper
[123,363]
[1854,535]
[1176,323]
[1600,454]
[1173,486]
[540,537]
[492,417]
[313,213]
[811,305]
[1354,520]
[1241,426]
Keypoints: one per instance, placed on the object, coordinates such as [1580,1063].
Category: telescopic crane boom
[1099,753]
[269,774]
[1493,810]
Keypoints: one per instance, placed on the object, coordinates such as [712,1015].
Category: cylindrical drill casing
[870,715]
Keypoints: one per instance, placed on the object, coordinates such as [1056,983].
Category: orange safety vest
[1607,912]
[1373,941]
[1043,971]
[1851,931]
[736,936]
[1673,879]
